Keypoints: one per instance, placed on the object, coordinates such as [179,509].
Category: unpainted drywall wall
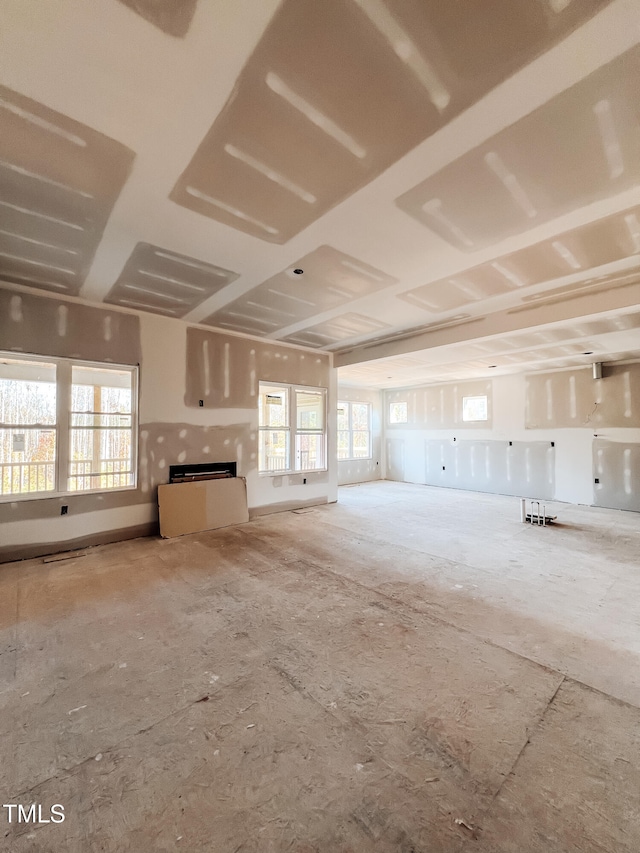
[224,371]
[43,326]
[438,406]
[173,427]
[524,468]
[572,398]
[550,437]
[616,466]
[363,470]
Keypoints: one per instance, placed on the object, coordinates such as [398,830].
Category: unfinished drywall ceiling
[172,16]
[554,346]
[581,146]
[58,183]
[602,242]
[318,282]
[294,140]
[154,279]
[280,135]
[342,327]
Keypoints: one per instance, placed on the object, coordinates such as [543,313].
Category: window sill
[47,496]
[288,472]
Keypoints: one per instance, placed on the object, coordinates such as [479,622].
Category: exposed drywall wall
[363,470]
[616,466]
[438,406]
[35,324]
[224,371]
[173,427]
[549,436]
[525,468]
[573,398]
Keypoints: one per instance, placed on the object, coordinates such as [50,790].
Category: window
[354,430]
[292,429]
[474,408]
[65,426]
[398,413]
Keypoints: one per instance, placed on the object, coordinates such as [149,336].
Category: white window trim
[350,430]
[292,428]
[63,424]
[398,403]
[475,397]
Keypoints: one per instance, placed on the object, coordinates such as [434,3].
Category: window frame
[62,427]
[291,429]
[350,430]
[404,403]
[484,397]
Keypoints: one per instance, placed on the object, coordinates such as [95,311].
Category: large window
[65,426]
[354,430]
[292,429]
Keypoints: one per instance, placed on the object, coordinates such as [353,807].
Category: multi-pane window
[474,408]
[292,428]
[354,430]
[65,426]
[101,454]
[28,426]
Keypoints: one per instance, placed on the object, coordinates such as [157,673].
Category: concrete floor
[410,670]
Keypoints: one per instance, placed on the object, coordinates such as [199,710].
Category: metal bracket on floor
[537,513]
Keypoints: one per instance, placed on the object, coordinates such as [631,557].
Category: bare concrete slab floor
[410,670]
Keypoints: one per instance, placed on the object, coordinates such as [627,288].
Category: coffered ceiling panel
[338,90]
[573,344]
[154,279]
[340,328]
[581,146]
[569,292]
[329,279]
[613,238]
[58,183]
[450,293]
[171,16]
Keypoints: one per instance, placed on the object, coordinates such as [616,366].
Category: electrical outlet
[64,509]
[201,403]
[597,480]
